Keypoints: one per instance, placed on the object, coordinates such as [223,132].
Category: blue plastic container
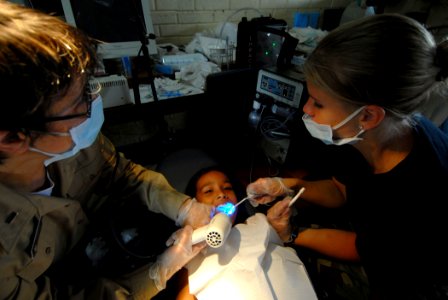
[306,19]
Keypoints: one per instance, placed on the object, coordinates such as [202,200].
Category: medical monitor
[282,86]
[117,23]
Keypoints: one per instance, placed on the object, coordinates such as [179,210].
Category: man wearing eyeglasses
[57,172]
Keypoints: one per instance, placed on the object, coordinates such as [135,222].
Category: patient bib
[252,264]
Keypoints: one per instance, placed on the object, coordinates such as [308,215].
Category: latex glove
[265,190]
[175,257]
[194,213]
[278,216]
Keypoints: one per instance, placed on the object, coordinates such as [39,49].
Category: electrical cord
[226,54]
[257,127]
[274,129]
[271,128]
[234,13]
[269,125]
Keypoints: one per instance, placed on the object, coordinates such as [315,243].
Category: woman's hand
[278,216]
[265,190]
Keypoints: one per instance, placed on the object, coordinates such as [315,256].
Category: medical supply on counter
[177,61]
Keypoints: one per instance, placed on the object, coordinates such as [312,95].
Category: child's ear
[13,142]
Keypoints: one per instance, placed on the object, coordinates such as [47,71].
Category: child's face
[215,188]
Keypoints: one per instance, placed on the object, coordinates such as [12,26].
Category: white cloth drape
[252,264]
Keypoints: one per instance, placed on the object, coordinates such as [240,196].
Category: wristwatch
[296,230]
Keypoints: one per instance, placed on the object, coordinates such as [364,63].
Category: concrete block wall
[177,21]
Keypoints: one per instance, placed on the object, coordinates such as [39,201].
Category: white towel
[252,264]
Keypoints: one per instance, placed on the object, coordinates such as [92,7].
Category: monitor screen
[282,86]
[268,48]
[117,23]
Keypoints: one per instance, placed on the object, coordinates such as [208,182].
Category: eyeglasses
[88,97]
[86,114]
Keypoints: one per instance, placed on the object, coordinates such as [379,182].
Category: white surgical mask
[324,132]
[82,135]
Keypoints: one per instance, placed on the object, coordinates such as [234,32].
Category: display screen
[109,21]
[268,48]
[121,25]
[279,88]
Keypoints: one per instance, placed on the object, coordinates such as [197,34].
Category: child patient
[213,186]
[210,185]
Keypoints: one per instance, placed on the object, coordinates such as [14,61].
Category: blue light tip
[226,208]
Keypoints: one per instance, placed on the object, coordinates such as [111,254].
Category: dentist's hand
[265,190]
[180,252]
[194,213]
[278,216]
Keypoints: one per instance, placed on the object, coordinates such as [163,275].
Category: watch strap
[294,234]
